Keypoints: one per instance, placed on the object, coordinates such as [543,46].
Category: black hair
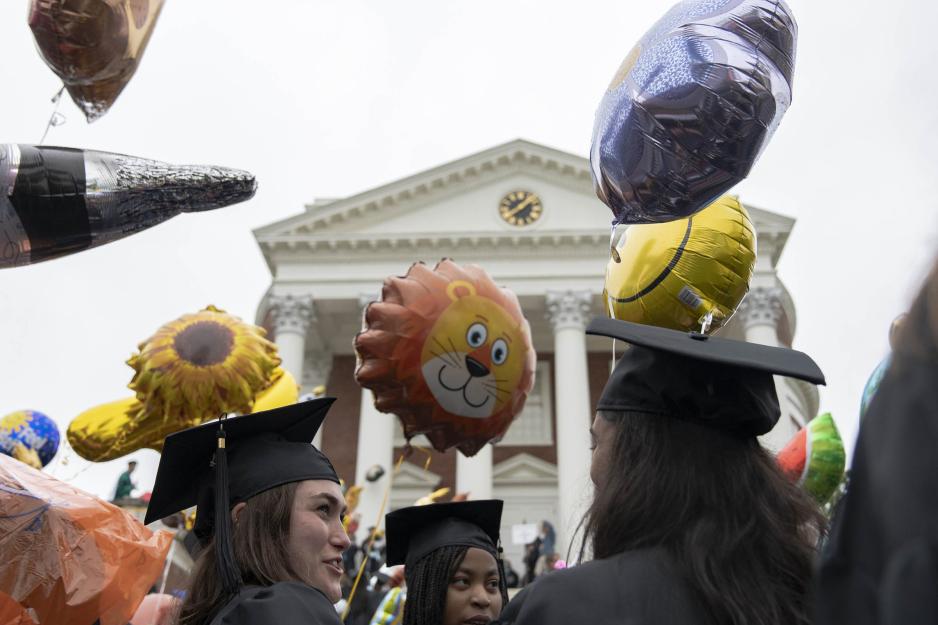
[741,534]
[428,581]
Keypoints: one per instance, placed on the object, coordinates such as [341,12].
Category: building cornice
[329,246]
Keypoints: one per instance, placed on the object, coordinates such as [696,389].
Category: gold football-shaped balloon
[675,274]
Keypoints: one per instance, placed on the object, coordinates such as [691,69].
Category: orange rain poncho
[69,556]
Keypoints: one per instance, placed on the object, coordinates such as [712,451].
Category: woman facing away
[452,562]
[269,518]
[692,522]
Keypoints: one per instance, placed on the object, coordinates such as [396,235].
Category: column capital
[762,306]
[569,309]
[292,313]
[317,368]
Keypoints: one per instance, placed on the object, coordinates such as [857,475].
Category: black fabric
[49,198]
[415,532]
[881,564]
[286,603]
[711,349]
[632,588]
[708,380]
[264,450]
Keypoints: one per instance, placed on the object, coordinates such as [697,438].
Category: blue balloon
[872,385]
[33,430]
[692,106]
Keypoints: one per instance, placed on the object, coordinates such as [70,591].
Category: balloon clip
[705,322]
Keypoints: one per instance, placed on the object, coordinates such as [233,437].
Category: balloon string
[424,450]
[374,534]
[119,440]
[166,566]
[56,119]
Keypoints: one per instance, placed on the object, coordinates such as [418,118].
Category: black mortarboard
[716,382]
[415,532]
[233,460]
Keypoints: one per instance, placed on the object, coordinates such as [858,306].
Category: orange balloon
[69,556]
[449,353]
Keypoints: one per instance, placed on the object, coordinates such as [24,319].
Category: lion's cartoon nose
[476,368]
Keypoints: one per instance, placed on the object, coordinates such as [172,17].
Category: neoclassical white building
[330,261]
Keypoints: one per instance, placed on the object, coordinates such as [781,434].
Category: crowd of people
[692,522]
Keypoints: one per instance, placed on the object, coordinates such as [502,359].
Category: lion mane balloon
[449,353]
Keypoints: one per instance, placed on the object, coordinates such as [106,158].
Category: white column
[474,475]
[375,447]
[760,313]
[292,316]
[569,312]
[316,369]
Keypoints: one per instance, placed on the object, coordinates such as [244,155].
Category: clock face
[520,208]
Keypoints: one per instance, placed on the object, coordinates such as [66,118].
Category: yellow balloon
[284,392]
[352,496]
[27,456]
[115,429]
[675,274]
[193,369]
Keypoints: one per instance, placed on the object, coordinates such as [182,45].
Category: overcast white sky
[325,98]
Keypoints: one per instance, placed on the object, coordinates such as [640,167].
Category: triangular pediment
[524,469]
[412,476]
[455,208]
[375,208]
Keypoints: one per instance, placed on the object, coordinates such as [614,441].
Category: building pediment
[452,210]
[412,476]
[373,209]
[524,469]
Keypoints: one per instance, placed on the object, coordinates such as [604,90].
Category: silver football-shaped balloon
[58,201]
[692,106]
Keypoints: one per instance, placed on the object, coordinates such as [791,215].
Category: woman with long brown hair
[269,518]
[692,522]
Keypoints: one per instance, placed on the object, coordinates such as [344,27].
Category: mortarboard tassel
[228,569]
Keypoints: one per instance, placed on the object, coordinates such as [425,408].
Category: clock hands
[517,209]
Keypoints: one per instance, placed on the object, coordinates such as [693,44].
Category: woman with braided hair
[452,566]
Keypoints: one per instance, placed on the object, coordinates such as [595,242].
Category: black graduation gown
[880,564]
[286,603]
[633,588]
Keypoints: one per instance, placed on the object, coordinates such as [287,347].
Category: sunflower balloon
[192,370]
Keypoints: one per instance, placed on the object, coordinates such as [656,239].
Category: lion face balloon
[449,353]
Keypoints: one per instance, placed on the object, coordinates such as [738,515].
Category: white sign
[523,533]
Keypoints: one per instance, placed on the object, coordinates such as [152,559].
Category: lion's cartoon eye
[476,335]
[499,351]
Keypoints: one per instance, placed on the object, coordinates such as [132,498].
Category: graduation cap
[708,380]
[221,463]
[415,532]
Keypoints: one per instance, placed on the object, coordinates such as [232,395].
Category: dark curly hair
[428,581]
[743,536]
